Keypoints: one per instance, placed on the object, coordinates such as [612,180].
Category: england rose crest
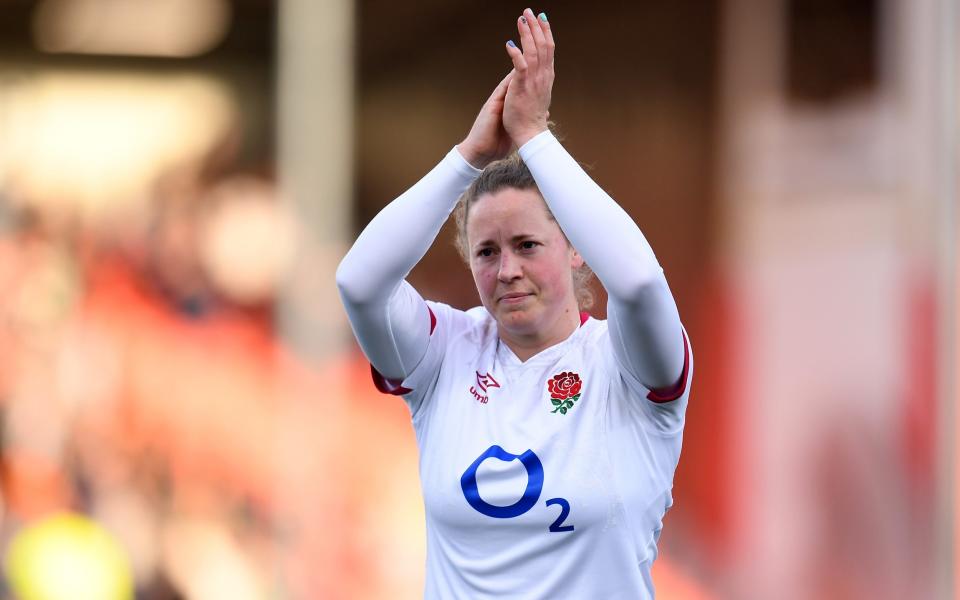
[564,390]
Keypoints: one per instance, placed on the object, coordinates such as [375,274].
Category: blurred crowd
[151,417]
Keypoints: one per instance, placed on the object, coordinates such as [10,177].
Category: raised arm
[388,317]
[644,324]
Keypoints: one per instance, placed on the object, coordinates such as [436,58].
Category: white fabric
[612,456]
[644,323]
[387,315]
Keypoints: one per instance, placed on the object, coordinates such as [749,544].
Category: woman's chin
[517,321]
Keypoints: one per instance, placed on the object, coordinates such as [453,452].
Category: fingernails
[511,44]
[523,20]
[543,17]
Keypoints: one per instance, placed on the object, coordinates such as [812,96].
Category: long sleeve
[644,324]
[388,316]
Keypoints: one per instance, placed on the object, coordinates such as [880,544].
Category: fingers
[527,40]
[548,44]
[536,40]
[501,90]
[533,24]
[536,43]
[519,62]
[502,86]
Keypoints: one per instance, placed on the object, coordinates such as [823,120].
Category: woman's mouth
[513,298]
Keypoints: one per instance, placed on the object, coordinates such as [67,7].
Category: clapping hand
[527,103]
[487,140]
[519,107]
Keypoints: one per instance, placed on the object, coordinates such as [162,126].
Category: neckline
[508,357]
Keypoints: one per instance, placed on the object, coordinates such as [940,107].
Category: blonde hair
[511,172]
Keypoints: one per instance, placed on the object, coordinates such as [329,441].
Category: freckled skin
[523,268]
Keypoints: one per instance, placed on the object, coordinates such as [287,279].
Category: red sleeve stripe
[669,394]
[388,386]
[392,386]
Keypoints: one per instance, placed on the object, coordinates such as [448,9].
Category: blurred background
[183,413]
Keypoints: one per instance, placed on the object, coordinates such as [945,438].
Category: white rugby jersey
[541,479]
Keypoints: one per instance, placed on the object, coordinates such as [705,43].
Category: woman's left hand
[527,104]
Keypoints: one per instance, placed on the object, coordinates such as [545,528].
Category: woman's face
[521,262]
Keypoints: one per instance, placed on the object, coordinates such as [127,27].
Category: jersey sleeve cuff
[536,144]
[395,387]
[458,162]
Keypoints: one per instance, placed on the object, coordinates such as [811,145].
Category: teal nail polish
[511,44]
[543,17]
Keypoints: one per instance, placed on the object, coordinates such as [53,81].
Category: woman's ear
[576,261]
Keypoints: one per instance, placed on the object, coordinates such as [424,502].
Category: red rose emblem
[565,385]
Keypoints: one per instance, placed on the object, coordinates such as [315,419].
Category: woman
[548,439]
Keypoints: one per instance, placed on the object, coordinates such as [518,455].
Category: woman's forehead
[507,209]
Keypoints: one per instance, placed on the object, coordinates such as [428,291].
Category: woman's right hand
[488,140]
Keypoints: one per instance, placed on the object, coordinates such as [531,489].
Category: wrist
[528,133]
[477,160]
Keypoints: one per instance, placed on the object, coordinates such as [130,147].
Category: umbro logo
[483,382]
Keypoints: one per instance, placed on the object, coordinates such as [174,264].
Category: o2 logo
[468,483]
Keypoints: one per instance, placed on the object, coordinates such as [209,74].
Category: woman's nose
[509,267]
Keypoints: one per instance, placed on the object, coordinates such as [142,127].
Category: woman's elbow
[639,288]
[349,283]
